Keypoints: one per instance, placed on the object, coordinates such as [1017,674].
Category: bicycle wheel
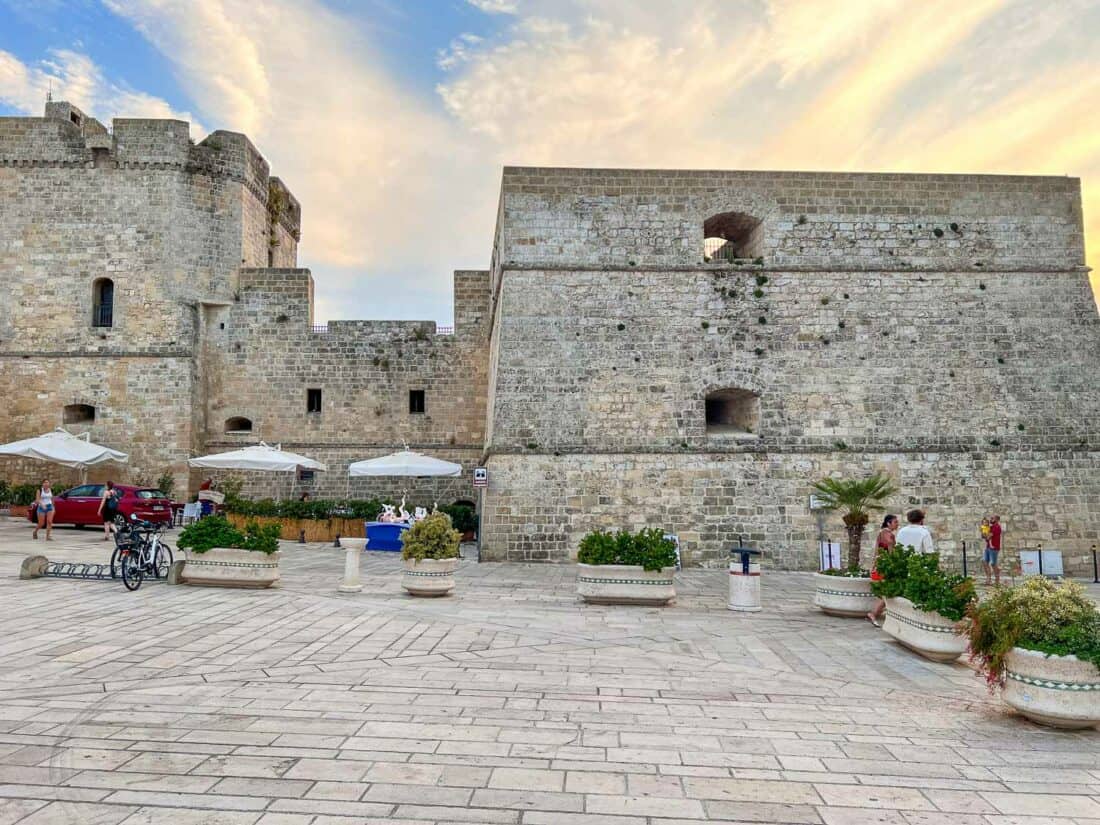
[163,561]
[131,570]
[116,563]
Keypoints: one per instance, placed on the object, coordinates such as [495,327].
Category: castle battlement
[67,137]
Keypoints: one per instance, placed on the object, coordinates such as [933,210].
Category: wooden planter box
[316,530]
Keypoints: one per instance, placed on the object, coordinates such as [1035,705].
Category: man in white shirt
[915,534]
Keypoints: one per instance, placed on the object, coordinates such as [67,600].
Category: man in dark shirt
[993,551]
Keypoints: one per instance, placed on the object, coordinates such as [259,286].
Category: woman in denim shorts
[43,503]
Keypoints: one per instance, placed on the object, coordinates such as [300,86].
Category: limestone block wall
[165,220]
[142,406]
[538,507]
[261,358]
[655,217]
[614,360]
[335,484]
[978,391]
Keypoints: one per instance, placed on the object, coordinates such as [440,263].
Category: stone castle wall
[262,357]
[936,327]
[614,217]
[170,223]
[964,361]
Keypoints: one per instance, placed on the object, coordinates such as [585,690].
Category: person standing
[915,534]
[885,541]
[43,508]
[993,551]
[108,509]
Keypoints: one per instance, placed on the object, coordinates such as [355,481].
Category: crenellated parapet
[67,137]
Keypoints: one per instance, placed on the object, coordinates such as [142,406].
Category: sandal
[36,533]
[873,620]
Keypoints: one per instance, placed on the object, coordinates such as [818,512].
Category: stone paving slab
[509,702]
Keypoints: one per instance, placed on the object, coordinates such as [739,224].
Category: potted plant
[430,552]
[220,555]
[847,592]
[925,606]
[1040,643]
[626,568]
[464,520]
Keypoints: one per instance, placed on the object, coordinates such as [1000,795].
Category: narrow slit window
[103,303]
[416,401]
[313,400]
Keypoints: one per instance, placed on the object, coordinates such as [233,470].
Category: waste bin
[744,580]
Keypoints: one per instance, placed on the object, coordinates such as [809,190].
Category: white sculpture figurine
[388,516]
[420,513]
[403,514]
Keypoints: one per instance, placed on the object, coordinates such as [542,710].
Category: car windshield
[149,494]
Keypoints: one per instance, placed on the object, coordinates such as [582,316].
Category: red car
[80,505]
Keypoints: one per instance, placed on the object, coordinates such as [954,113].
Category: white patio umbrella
[404,463]
[62,447]
[262,457]
[257,457]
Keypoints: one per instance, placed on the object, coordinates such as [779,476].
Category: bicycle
[139,552]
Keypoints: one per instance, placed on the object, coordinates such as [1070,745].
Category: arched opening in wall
[730,235]
[732,412]
[238,425]
[103,303]
[78,414]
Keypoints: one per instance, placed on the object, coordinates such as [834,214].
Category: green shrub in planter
[463,517]
[1056,619]
[918,578]
[23,494]
[431,538]
[647,548]
[312,509]
[214,531]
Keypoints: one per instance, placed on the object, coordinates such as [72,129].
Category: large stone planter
[625,584]
[222,567]
[1060,691]
[843,595]
[429,577]
[929,634]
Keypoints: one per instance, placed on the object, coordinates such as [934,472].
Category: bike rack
[77,570]
[36,567]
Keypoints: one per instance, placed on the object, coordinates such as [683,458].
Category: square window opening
[416,401]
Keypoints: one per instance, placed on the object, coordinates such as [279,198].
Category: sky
[390,120]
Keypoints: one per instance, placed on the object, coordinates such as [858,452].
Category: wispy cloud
[75,77]
[399,186]
[495,6]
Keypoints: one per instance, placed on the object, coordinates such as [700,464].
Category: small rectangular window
[313,401]
[416,401]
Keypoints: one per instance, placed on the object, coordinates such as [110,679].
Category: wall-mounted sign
[481,477]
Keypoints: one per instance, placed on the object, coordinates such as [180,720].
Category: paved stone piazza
[506,703]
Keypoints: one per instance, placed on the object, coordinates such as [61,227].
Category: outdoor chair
[191,513]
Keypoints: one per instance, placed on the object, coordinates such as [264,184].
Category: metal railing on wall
[103,315]
[322,329]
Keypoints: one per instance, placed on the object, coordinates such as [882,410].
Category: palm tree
[857,498]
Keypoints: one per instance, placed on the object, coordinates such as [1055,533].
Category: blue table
[384,535]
